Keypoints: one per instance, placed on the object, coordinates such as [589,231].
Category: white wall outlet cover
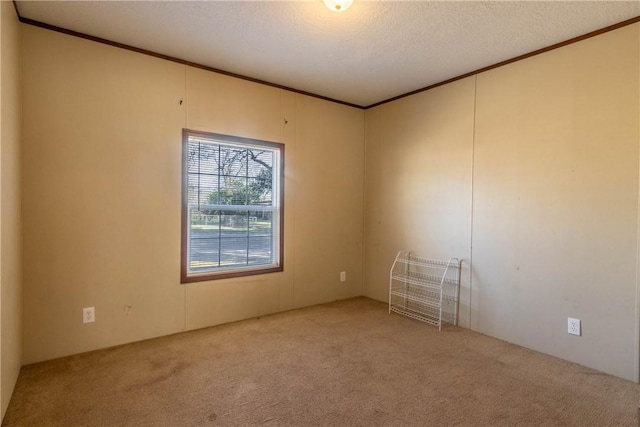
[88,315]
[573,326]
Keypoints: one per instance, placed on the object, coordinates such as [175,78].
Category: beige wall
[10,221]
[554,215]
[101,188]
[418,183]
[101,191]
[328,183]
[556,201]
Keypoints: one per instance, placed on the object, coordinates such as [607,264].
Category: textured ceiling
[374,51]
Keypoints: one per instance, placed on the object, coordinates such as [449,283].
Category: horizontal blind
[233,205]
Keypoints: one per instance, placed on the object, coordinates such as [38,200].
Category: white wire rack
[425,289]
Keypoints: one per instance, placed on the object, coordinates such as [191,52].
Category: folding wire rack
[425,289]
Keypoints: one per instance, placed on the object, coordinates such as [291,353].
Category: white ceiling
[372,52]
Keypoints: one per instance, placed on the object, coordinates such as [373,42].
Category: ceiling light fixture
[338,5]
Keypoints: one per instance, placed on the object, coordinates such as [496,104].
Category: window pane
[193,151]
[260,162]
[260,250]
[259,192]
[208,189]
[260,223]
[233,222]
[192,189]
[233,162]
[260,237]
[233,191]
[208,159]
[204,240]
[233,251]
[204,254]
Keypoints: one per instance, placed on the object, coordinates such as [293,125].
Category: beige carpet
[339,364]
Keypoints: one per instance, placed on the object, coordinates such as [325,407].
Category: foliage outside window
[232,206]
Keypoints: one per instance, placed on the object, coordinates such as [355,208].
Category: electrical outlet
[343,276]
[88,315]
[574,326]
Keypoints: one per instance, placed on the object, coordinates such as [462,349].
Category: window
[232,213]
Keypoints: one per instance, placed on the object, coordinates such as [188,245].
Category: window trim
[185,277]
